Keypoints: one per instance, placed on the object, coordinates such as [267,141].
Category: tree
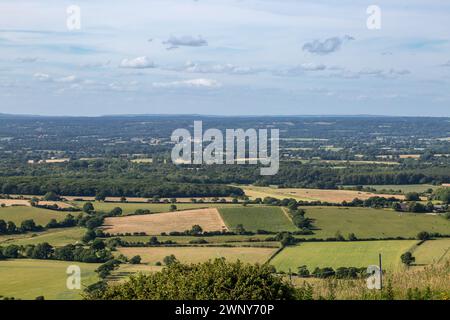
[100,196]
[423,235]
[173,200]
[239,229]
[169,260]
[352,237]
[3,227]
[202,281]
[117,211]
[173,207]
[89,236]
[442,194]
[88,207]
[135,260]
[412,196]
[28,225]
[11,227]
[196,230]
[51,196]
[303,271]
[42,251]
[98,244]
[407,258]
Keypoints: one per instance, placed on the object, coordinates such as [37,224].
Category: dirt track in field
[154,224]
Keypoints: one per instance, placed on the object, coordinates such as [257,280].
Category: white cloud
[42,77]
[220,68]
[193,83]
[137,63]
[67,79]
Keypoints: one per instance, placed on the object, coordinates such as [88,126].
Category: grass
[40,216]
[432,251]
[200,254]
[342,254]
[55,237]
[129,208]
[254,218]
[27,279]
[376,223]
[435,279]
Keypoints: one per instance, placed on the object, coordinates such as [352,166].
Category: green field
[41,216]
[432,251]
[128,208]
[376,223]
[27,279]
[186,239]
[404,188]
[200,254]
[55,237]
[254,218]
[341,254]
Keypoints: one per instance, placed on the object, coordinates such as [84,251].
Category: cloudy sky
[225,57]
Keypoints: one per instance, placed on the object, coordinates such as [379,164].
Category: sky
[225,57]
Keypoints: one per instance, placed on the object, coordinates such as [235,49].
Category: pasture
[55,237]
[154,224]
[257,218]
[332,196]
[28,279]
[200,254]
[432,251]
[372,223]
[41,216]
[341,254]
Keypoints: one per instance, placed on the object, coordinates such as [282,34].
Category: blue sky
[225,57]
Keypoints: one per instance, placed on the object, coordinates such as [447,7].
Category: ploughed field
[154,224]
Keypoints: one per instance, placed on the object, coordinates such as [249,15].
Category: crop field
[40,216]
[342,254]
[333,196]
[28,279]
[154,224]
[432,251]
[55,237]
[376,223]
[129,208]
[200,254]
[257,218]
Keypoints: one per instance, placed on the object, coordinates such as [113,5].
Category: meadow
[432,251]
[41,216]
[28,279]
[200,254]
[55,237]
[341,254]
[372,223]
[257,218]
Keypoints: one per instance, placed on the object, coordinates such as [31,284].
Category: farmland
[372,223]
[432,251]
[341,254]
[200,254]
[19,213]
[41,278]
[131,207]
[257,218]
[300,194]
[155,224]
[55,237]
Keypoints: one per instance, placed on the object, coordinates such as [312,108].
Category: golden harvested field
[334,196]
[25,202]
[154,224]
[200,254]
